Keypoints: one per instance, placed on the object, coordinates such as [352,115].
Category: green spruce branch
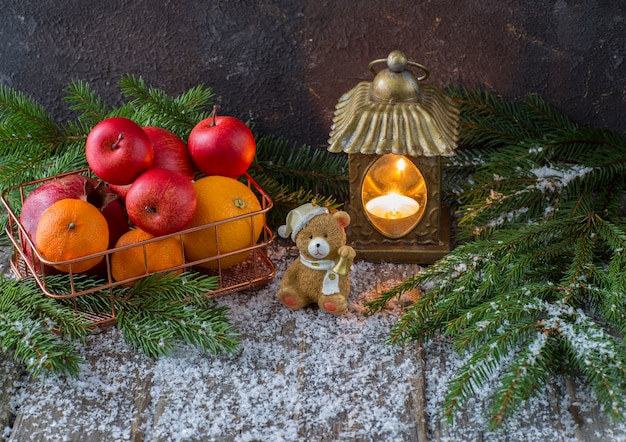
[537,286]
[82,99]
[158,314]
[154,107]
[294,175]
[38,330]
[32,144]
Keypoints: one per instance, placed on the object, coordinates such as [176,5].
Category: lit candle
[392,206]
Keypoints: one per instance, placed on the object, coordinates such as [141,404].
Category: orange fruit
[152,257]
[70,229]
[220,198]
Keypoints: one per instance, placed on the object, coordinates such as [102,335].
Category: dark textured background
[284,63]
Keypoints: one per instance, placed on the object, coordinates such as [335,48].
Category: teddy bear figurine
[320,275]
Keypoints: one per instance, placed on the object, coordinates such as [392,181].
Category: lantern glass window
[394,195]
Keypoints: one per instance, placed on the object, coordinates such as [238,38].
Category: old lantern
[395,131]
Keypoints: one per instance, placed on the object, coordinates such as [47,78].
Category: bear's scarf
[331,279]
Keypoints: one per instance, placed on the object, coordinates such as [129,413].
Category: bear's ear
[342,218]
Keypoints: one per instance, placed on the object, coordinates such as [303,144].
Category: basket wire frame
[27,262]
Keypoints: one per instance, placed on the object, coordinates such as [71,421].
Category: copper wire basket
[256,269]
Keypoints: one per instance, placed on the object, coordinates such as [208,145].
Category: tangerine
[151,257]
[220,198]
[70,229]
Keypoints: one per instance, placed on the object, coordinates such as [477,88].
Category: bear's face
[321,237]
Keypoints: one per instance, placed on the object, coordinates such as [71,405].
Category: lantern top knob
[396,83]
[397,61]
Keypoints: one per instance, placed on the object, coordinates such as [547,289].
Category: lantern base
[400,252]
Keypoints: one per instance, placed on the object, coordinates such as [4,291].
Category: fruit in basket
[121,191]
[170,152]
[160,255]
[116,217]
[70,229]
[118,150]
[48,193]
[221,145]
[161,201]
[221,198]
[78,187]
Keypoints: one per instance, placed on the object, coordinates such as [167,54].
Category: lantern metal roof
[395,113]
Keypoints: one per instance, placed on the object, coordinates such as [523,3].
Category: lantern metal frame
[425,243]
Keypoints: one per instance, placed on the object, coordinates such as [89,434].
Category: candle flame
[401,164]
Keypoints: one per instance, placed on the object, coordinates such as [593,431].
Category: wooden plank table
[303,375]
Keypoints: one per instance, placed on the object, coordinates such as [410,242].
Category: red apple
[116,218]
[118,150]
[120,190]
[161,201]
[111,206]
[48,193]
[79,187]
[221,145]
[170,152]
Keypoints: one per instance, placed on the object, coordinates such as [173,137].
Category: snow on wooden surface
[303,375]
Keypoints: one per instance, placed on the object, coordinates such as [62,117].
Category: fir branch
[482,288]
[36,347]
[489,120]
[4,220]
[32,145]
[302,167]
[523,171]
[285,199]
[23,113]
[537,287]
[95,303]
[154,107]
[35,328]
[532,367]
[486,320]
[485,363]
[82,98]
[158,314]
[293,175]
[546,174]
[593,352]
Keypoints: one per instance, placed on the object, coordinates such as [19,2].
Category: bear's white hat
[298,218]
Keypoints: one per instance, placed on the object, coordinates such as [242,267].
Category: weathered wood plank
[418,395]
[12,375]
[590,423]
[100,404]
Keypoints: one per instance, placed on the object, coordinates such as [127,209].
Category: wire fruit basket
[26,262]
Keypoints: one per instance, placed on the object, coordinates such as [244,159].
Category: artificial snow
[554,178]
[304,375]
